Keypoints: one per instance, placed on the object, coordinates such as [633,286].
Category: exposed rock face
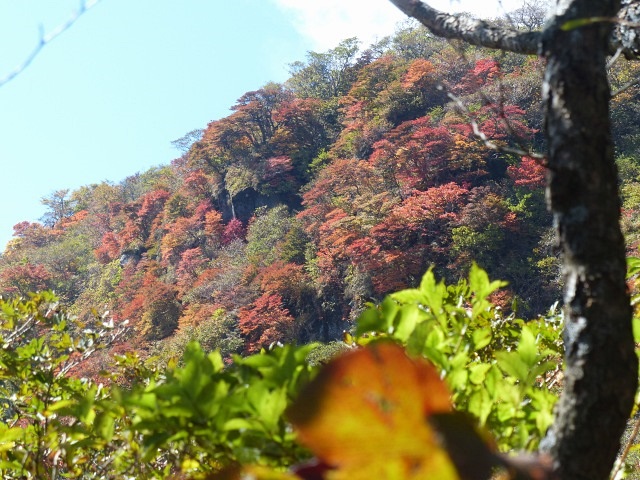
[244,204]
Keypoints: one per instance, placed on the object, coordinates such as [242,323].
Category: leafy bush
[502,370]
[198,415]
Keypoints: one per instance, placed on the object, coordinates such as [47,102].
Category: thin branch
[486,141]
[626,86]
[614,58]
[473,31]
[627,448]
[46,38]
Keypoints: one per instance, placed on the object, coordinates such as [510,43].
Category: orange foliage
[364,387]
[264,322]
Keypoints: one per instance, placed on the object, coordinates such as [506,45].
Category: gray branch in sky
[46,38]
[625,38]
[470,30]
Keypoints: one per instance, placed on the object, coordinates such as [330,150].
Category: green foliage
[163,420]
[194,413]
[325,75]
[501,369]
[319,162]
[50,424]
[202,416]
[219,332]
[274,234]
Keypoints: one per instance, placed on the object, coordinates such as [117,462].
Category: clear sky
[105,99]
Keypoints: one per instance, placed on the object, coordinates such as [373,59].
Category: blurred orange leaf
[366,415]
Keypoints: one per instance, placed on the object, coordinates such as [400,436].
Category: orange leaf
[366,415]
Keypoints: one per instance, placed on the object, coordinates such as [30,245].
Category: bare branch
[626,86]
[488,143]
[473,31]
[46,38]
[627,448]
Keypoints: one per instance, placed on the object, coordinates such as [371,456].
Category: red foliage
[413,236]
[72,220]
[484,72]
[196,184]
[21,279]
[420,155]
[300,126]
[264,322]
[213,226]
[277,167]
[504,122]
[233,231]
[151,205]
[191,263]
[149,304]
[282,278]
[32,234]
[502,299]
[423,210]
[529,173]
[109,248]
[186,232]
[290,281]
[197,313]
[346,182]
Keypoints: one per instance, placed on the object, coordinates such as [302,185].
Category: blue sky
[105,99]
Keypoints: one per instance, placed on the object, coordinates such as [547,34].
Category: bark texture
[601,365]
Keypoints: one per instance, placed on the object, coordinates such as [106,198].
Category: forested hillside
[347,182]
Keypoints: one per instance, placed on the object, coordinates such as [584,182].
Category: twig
[614,58]
[627,449]
[46,38]
[488,143]
[626,86]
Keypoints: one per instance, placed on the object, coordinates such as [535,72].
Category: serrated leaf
[409,296]
[480,284]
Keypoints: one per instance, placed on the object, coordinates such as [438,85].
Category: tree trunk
[601,366]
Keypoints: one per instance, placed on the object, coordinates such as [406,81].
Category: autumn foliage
[312,198]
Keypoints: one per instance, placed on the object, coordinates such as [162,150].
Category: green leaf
[478,373]
[433,292]
[636,329]
[9,436]
[372,320]
[527,348]
[104,425]
[239,424]
[409,296]
[512,364]
[633,266]
[480,284]
[480,405]
[407,319]
[481,338]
